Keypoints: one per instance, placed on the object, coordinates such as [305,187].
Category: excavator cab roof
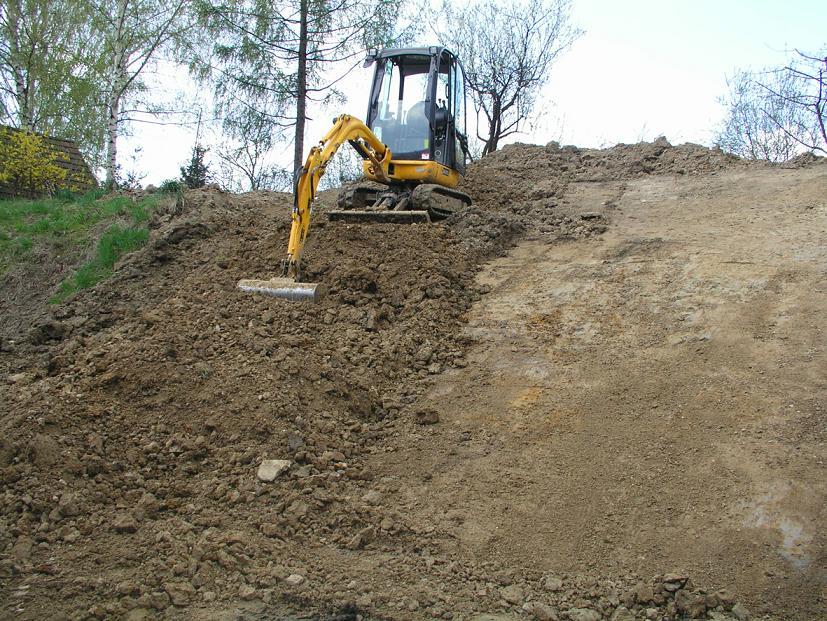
[433,51]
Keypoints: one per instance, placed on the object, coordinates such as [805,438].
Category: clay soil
[598,394]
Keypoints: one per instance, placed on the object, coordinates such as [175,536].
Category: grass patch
[115,242]
[67,225]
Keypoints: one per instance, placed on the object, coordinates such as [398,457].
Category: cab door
[458,129]
[449,114]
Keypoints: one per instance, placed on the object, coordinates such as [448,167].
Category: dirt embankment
[138,415]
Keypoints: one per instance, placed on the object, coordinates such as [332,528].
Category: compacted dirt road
[652,400]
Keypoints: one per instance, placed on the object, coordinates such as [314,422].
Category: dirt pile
[138,415]
[530,183]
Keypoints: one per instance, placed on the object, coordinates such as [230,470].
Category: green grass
[67,225]
[113,243]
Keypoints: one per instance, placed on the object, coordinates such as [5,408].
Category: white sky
[643,68]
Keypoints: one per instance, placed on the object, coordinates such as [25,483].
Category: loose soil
[598,393]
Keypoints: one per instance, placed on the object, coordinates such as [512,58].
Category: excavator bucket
[392,217]
[285,288]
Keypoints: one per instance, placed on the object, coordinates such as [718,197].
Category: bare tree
[246,167]
[809,73]
[345,166]
[775,114]
[508,49]
[247,164]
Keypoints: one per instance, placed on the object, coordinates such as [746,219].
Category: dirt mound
[531,182]
[139,413]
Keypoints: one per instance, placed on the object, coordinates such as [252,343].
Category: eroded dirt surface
[653,400]
[621,418]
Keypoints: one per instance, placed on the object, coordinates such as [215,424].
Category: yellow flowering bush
[29,164]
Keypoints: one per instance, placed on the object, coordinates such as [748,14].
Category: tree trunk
[112,141]
[301,91]
[494,129]
[117,84]
[21,88]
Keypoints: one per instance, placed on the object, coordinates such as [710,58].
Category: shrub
[29,164]
[196,173]
[171,186]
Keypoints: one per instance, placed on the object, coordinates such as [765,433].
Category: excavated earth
[597,394]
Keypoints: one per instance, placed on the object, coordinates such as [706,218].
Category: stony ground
[597,394]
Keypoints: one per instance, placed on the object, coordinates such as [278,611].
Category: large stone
[540,611]
[623,614]
[583,614]
[512,594]
[44,450]
[247,592]
[158,600]
[740,613]
[68,506]
[294,441]
[128,587]
[8,451]
[372,497]
[692,605]
[180,593]
[673,582]
[427,416]
[22,549]
[644,593]
[124,523]
[270,469]
[361,539]
[552,583]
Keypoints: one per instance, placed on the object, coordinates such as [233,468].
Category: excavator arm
[345,128]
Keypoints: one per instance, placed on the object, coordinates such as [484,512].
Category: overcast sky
[642,69]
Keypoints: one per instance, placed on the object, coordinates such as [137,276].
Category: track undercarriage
[425,202]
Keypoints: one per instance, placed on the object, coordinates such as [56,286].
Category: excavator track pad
[386,215]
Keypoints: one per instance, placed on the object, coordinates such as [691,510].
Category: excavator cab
[413,143]
[417,105]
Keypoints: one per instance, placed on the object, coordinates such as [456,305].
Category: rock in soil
[270,469]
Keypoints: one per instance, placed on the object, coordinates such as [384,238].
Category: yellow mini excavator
[414,143]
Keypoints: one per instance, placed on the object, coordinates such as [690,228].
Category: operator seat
[417,130]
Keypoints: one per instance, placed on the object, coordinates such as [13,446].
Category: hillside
[598,393]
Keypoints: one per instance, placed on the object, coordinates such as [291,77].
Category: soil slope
[621,417]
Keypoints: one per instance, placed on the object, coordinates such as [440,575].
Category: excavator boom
[345,129]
